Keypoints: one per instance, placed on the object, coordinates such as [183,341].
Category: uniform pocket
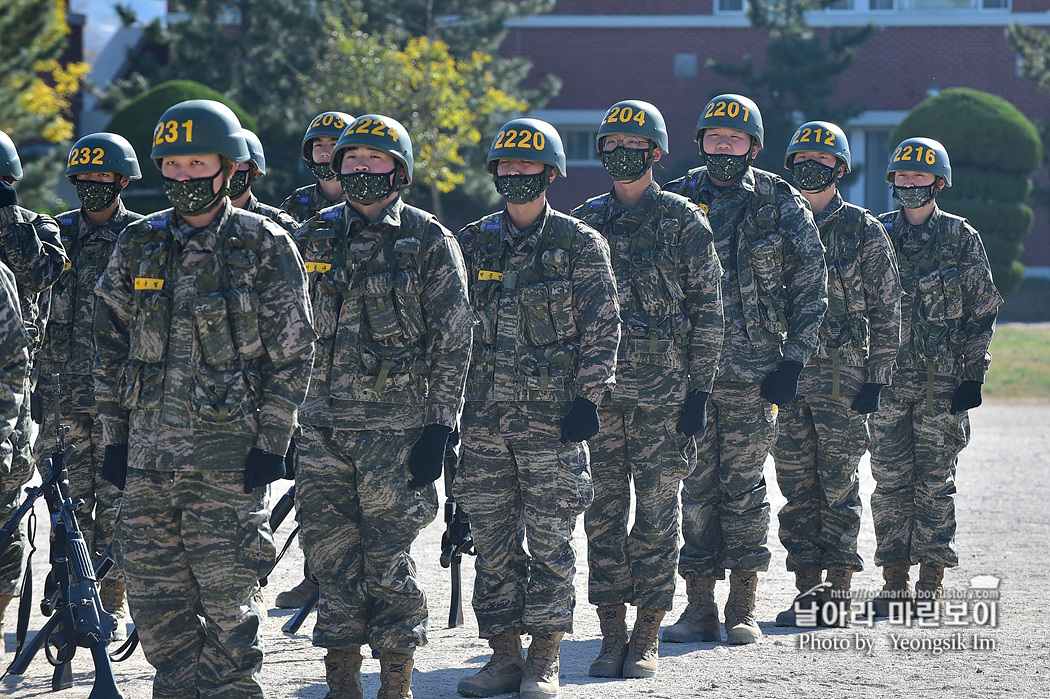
[140,386]
[535,308]
[573,487]
[213,329]
[560,293]
[407,292]
[221,397]
[379,306]
[931,297]
[150,322]
[243,305]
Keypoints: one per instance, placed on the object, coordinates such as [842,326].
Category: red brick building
[608,50]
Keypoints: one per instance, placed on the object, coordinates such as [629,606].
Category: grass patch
[1020,363]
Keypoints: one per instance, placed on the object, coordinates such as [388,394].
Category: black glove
[428,455]
[581,422]
[781,386]
[115,465]
[261,468]
[694,414]
[289,460]
[966,396]
[867,401]
[8,195]
[36,407]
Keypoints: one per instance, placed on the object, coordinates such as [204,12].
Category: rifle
[75,608]
[457,539]
[278,514]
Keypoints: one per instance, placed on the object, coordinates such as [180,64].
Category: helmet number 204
[624,115]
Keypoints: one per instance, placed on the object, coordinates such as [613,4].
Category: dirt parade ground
[995,644]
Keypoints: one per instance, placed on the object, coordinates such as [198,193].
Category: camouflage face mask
[915,197]
[726,168]
[367,187]
[97,196]
[321,171]
[193,197]
[626,164]
[239,183]
[521,189]
[812,176]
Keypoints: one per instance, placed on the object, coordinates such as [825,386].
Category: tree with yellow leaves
[35,88]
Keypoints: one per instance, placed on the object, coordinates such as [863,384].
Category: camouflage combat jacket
[278,216]
[668,280]
[14,363]
[304,203]
[31,247]
[547,306]
[950,303]
[392,319]
[860,333]
[204,340]
[774,289]
[68,348]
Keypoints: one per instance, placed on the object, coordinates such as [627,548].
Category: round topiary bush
[136,122]
[994,150]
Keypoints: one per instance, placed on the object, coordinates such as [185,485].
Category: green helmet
[528,139]
[636,118]
[103,152]
[255,151]
[379,132]
[10,165]
[732,112]
[324,124]
[199,126]
[920,155]
[821,136]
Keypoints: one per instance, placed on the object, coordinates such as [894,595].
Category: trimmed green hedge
[983,184]
[136,122]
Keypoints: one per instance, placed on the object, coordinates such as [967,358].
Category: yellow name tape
[703,207]
[68,265]
[318,267]
[485,276]
[147,283]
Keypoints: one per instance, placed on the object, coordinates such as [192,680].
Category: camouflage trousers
[913,462]
[98,515]
[819,446]
[359,519]
[12,483]
[193,546]
[640,445]
[518,482]
[725,513]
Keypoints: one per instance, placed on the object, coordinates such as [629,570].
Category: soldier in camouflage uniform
[100,166]
[947,319]
[774,294]
[14,364]
[823,433]
[204,341]
[390,303]
[31,248]
[318,142]
[241,186]
[544,354]
[668,277]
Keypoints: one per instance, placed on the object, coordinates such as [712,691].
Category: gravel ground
[1004,531]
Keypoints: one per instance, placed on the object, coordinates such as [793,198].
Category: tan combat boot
[741,626]
[699,621]
[928,589]
[342,671]
[896,589]
[542,667]
[395,674]
[502,673]
[297,596]
[835,611]
[613,620]
[112,593]
[807,600]
[643,652]
[4,601]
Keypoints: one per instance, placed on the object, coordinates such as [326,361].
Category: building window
[955,4]
[877,195]
[729,5]
[579,145]
[841,5]
[685,65]
[882,5]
